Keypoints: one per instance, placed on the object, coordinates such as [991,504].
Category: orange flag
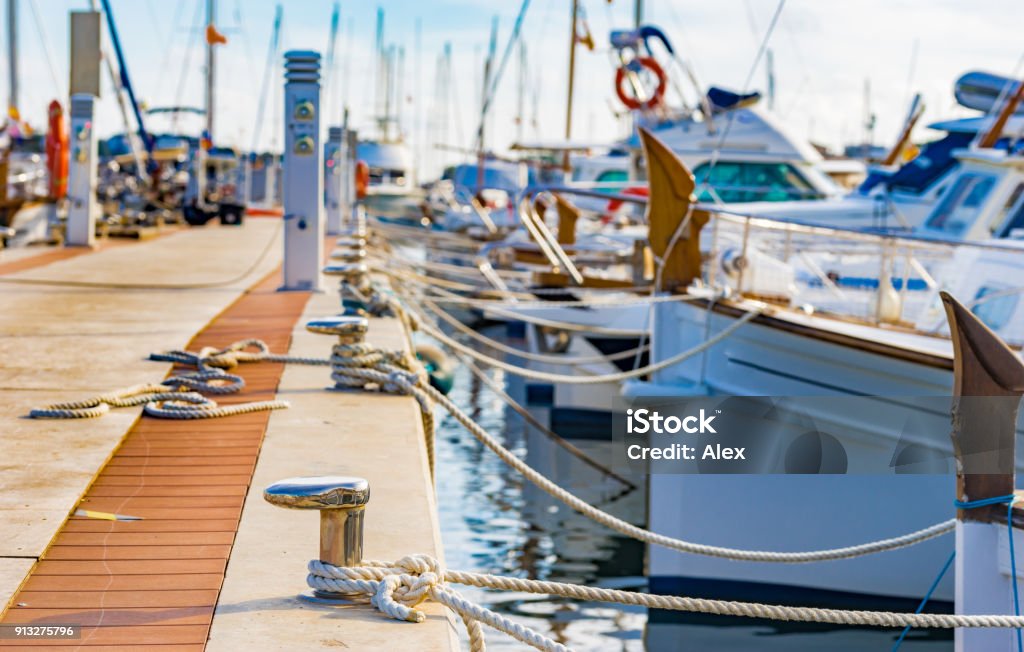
[213,37]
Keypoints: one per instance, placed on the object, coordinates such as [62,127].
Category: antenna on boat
[485,102]
[211,64]
[329,67]
[12,57]
[996,130]
[869,120]
[915,113]
[572,80]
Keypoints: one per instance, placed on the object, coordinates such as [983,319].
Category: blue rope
[927,596]
[998,500]
[1008,500]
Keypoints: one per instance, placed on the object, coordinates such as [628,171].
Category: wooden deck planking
[154,582]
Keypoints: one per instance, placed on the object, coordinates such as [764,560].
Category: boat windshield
[962,204]
[741,181]
[505,177]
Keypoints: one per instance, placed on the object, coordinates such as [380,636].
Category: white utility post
[333,179]
[82,207]
[988,381]
[303,172]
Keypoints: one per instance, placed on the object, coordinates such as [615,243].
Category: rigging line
[261,106]
[746,87]
[165,62]
[911,72]
[155,21]
[509,47]
[329,63]
[187,60]
[553,436]
[47,53]
[684,223]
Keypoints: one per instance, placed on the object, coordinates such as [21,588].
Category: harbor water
[494,521]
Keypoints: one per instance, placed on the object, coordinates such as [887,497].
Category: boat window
[735,181]
[612,181]
[995,312]
[1000,226]
[613,176]
[961,204]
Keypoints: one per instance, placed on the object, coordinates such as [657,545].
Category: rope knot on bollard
[397,588]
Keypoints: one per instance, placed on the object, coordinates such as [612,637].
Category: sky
[824,52]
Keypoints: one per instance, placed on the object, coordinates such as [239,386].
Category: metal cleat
[349,255]
[349,329]
[351,242]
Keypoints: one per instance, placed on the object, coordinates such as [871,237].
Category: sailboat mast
[12,53]
[638,13]
[521,92]
[572,79]
[211,67]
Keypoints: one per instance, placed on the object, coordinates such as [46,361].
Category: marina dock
[207,557]
[373,343]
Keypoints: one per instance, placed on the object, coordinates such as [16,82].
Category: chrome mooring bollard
[341,501]
[355,284]
[349,329]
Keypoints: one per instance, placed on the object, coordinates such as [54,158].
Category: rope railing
[397,588]
[552,359]
[595,379]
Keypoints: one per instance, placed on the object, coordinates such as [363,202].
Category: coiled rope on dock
[396,588]
[179,396]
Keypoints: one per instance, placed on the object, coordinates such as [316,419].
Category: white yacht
[885,357]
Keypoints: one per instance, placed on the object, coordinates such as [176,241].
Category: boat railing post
[333,156]
[744,256]
[270,181]
[350,209]
[988,383]
[82,207]
[303,172]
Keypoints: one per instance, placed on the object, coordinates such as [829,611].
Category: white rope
[562,360]
[397,588]
[438,334]
[398,379]
[583,302]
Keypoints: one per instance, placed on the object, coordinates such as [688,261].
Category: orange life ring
[659,91]
[362,179]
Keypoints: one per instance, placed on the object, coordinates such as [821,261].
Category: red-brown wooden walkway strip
[153,584]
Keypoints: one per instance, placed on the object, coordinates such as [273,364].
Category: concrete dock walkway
[157,582]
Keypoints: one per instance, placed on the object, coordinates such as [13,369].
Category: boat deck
[207,552]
